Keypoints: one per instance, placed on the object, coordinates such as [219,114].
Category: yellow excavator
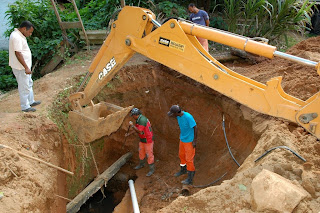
[174,44]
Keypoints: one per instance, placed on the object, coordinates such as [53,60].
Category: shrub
[47,34]
[7,79]
[266,18]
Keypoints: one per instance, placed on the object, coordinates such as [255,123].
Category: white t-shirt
[18,42]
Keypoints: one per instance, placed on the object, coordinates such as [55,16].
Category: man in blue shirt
[199,17]
[188,141]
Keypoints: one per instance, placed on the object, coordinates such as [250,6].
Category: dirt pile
[23,181]
[298,80]
[27,185]
[235,195]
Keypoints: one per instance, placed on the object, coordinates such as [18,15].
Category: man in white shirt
[20,60]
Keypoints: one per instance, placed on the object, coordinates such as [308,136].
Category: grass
[289,41]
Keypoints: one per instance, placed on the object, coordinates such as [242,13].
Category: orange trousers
[186,155]
[204,43]
[146,149]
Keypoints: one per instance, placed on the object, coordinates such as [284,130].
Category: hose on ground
[209,184]
[225,136]
[281,147]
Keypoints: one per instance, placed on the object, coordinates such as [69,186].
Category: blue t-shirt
[200,17]
[186,123]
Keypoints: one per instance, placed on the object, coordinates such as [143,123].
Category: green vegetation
[47,35]
[7,79]
[272,19]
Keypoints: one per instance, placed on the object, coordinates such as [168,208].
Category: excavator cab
[175,45]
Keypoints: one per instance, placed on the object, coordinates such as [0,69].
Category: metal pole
[133,197]
[295,58]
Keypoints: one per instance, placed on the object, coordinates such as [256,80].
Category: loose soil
[153,88]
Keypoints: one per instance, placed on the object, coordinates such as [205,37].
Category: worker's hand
[126,135]
[28,71]
[130,123]
[194,143]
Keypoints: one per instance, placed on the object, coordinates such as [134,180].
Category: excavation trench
[153,88]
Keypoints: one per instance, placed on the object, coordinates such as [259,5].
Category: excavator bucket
[98,120]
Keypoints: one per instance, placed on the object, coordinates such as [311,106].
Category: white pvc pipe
[133,197]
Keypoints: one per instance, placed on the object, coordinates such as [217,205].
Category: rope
[94,160]
[63,197]
[84,156]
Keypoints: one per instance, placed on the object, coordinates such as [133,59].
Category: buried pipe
[283,147]
[225,136]
[74,205]
[133,197]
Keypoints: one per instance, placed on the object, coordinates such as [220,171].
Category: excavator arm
[174,44]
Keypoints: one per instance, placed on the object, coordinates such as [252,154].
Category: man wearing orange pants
[143,128]
[188,141]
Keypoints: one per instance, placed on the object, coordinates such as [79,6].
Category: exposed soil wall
[231,196]
[153,88]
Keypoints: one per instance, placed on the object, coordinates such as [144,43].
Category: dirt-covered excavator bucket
[96,121]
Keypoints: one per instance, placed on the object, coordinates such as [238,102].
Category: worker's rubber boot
[140,165]
[151,171]
[189,180]
[183,170]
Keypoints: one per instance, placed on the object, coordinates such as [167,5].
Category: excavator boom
[175,45]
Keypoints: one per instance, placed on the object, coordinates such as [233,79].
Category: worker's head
[192,8]
[26,28]
[175,111]
[135,113]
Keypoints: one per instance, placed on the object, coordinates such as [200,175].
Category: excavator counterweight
[174,44]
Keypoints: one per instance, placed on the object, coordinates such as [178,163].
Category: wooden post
[79,17]
[58,17]
[81,198]
[37,159]
[123,3]
[69,25]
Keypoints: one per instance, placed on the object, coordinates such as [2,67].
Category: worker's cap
[174,109]
[135,111]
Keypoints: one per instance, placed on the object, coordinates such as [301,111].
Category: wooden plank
[81,198]
[37,159]
[92,37]
[54,62]
[95,36]
[71,25]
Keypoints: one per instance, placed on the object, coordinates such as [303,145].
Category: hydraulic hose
[281,147]
[225,136]
[209,184]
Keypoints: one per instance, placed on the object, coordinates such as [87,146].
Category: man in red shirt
[143,128]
